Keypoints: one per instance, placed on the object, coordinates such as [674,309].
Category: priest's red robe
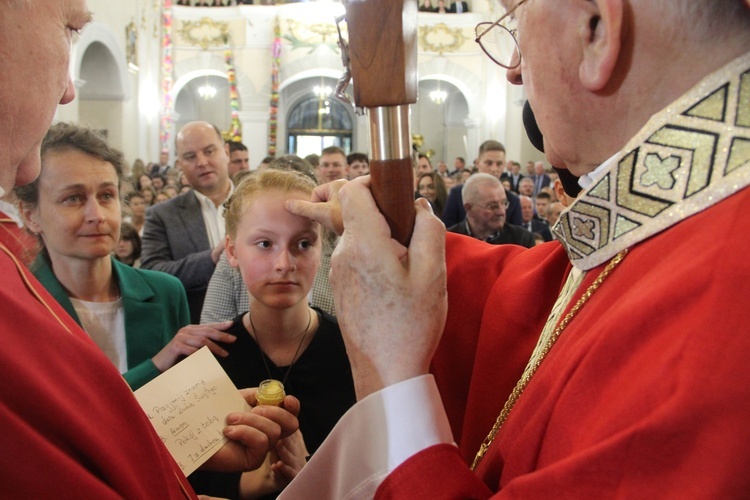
[71,426]
[647,390]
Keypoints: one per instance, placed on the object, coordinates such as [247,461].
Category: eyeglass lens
[499,43]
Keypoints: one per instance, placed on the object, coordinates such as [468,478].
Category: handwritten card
[187,406]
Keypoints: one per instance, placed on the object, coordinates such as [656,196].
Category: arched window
[316,122]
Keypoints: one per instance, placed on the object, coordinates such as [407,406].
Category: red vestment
[646,392]
[71,426]
[23,245]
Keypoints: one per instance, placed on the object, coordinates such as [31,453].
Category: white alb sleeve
[372,439]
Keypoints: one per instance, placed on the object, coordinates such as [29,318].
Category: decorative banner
[166,71]
[274,111]
[235,129]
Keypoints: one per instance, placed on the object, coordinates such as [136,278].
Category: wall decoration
[312,36]
[440,38]
[166,72]
[235,129]
[273,115]
[204,33]
[131,44]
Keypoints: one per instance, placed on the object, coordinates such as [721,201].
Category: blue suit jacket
[175,241]
[155,309]
[538,226]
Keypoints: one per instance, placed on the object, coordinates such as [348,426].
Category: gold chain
[524,381]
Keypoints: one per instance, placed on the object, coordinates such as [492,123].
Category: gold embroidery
[743,102]
[687,158]
[712,107]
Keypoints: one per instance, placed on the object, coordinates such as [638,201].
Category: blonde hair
[286,181]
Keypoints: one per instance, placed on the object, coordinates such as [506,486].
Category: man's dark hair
[332,150]
[544,196]
[491,145]
[357,157]
[236,146]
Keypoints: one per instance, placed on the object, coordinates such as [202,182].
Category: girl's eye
[305,244]
[264,244]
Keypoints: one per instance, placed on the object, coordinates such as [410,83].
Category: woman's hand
[191,338]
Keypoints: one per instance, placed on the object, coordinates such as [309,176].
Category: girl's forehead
[270,205]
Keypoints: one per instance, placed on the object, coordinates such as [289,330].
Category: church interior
[265,74]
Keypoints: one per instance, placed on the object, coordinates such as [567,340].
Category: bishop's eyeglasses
[498,40]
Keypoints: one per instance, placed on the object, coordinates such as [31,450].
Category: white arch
[310,73]
[192,75]
[101,33]
[459,84]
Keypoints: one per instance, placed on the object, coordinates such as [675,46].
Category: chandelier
[207,91]
[438,96]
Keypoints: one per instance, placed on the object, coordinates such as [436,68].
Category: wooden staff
[383,65]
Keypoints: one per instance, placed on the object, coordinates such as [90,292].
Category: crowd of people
[230,3]
[443,7]
[593,365]
[438,6]
[504,221]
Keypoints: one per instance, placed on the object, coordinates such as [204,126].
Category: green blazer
[155,308]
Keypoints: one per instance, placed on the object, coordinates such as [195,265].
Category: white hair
[470,190]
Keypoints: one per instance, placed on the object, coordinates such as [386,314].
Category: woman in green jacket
[137,317]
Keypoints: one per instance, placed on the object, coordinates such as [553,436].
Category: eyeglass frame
[504,205]
[512,33]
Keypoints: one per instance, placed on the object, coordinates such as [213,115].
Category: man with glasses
[485,204]
[611,363]
[491,161]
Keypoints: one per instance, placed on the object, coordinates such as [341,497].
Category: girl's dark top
[321,379]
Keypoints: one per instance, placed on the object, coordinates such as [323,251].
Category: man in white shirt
[184,236]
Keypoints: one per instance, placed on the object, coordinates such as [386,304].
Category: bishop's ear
[601,39]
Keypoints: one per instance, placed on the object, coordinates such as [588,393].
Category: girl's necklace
[296,353]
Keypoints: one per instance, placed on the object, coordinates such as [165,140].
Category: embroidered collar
[690,156]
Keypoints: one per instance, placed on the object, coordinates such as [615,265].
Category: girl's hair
[69,137]
[153,194]
[442,192]
[293,162]
[134,194]
[259,181]
[130,233]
